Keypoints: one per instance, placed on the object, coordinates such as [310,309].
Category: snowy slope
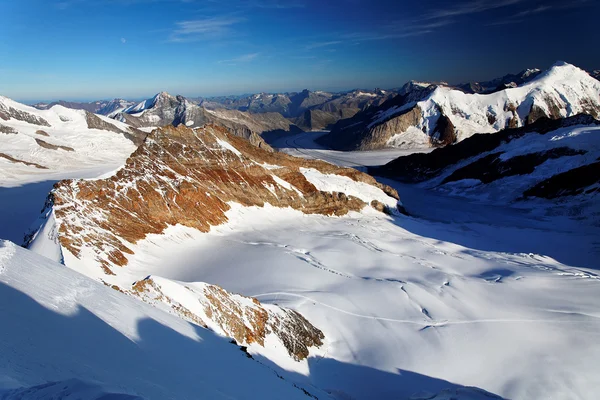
[551,166]
[57,143]
[65,336]
[405,309]
[583,141]
[409,307]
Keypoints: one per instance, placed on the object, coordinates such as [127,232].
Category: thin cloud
[123,40]
[522,16]
[203,29]
[471,7]
[241,59]
[317,45]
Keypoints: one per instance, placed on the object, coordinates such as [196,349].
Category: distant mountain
[102,107]
[164,109]
[309,110]
[59,140]
[436,115]
[495,85]
[547,159]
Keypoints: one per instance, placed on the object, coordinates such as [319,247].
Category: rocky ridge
[188,176]
[548,159]
[241,318]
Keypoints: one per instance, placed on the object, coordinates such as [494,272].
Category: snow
[463,293]
[406,296]
[343,184]
[501,191]
[228,146]
[60,326]
[95,151]
[564,84]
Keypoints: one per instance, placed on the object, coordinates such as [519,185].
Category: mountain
[548,159]
[65,336]
[446,115]
[93,225]
[309,110]
[39,144]
[165,109]
[102,107]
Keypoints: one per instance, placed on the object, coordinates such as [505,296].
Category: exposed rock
[491,167]
[187,177]
[498,84]
[570,183]
[379,135]
[164,109]
[95,122]
[102,107]
[7,129]
[242,318]
[50,146]
[370,129]
[420,167]
[317,119]
[562,91]
[7,112]
[444,132]
[41,133]
[12,159]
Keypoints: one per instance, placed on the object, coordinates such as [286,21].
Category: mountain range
[437,115]
[227,248]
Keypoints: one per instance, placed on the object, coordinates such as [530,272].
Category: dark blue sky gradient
[83,49]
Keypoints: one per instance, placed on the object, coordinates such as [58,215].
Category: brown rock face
[184,176]
[12,159]
[7,129]
[51,146]
[242,318]
[444,133]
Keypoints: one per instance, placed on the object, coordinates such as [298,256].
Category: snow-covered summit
[59,142]
[447,115]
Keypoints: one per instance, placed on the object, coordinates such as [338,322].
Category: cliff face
[188,176]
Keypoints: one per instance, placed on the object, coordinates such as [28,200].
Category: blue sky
[83,49]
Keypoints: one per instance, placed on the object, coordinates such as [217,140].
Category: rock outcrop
[241,318]
[548,159]
[420,167]
[8,112]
